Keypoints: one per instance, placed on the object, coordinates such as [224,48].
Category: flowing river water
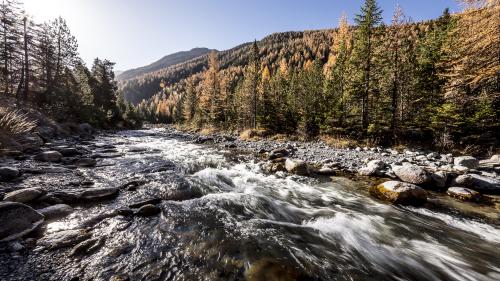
[231,221]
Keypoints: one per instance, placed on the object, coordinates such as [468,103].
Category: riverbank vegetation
[435,82]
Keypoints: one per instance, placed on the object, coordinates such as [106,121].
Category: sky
[134,33]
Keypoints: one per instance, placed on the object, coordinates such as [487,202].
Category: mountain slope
[164,62]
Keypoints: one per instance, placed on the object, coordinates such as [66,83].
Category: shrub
[16,123]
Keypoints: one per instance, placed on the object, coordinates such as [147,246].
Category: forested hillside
[435,81]
[164,62]
[40,67]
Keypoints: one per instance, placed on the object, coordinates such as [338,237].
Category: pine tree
[368,19]
[191,101]
[10,45]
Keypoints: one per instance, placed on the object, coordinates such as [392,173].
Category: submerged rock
[463,194]
[148,210]
[400,193]
[8,173]
[17,220]
[64,238]
[412,174]
[98,193]
[24,195]
[297,167]
[49,156]
[56,211]
[466,161]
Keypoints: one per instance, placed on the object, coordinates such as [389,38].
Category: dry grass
[339,142]
[16,123]
[252,134]
[208,131]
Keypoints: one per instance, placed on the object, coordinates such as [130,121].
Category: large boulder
[49,156]
[17,220]
[463,193]
[8,173]
[412,174]
[478,182]
[373,168]
[400,193]
[466,161]
[297,167]
[98,193]
[24,195]
[56,211]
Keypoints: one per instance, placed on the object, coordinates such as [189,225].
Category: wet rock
[272,167]
[85,129]
[124,212]
[87,247]
[466,161]
[49,156]
[412,174]
[439,179]
[69,151]
[17,220]
[400,193]
[326,171]
[278,153]
[24,195]
[62,197]
[373,168]
[64,238]
[56,211]
[31,143]
[298,167]
[8,173]
[478,182]
[148,210]
[152,201]
[98,193]
[463,194]
[85,162]
[132,185]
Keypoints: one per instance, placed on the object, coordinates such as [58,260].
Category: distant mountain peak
[164,62]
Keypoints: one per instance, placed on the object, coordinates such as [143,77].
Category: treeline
[39,64]
[433,81]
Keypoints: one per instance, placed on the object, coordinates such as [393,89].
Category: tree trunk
[26,63]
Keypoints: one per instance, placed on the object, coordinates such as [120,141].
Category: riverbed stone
[69,151]
[278,153]
[411,174]
[479,183]
[373,168]
[64,238]
[466,161]
[24,195]
[298,167]
[8,173]
[439,179]
[17,220]
[464,194]
[400,193]
[49,156]
[148,210]
[85,162]
[85,129]
[98,193]
[56,211]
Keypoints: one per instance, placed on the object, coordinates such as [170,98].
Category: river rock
[463,194]
[326,171]
[87,247]
[49,156]
[273,167]
[98,193]
[24,195]
[69,151]
[148,210]
[400,193]
[411,174]
[373,168]
[56,211]
[85,129]
[478,182]
[85,162]
[466,161]
[439,179]
[297,167]
[278,153]
[145,202]
[64,238]
[17,220]
[8,173]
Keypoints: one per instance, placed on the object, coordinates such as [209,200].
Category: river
[230,221]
